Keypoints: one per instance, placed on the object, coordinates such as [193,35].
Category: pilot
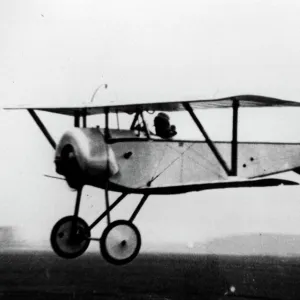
[163,127]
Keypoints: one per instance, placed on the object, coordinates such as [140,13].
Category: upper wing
[92,109]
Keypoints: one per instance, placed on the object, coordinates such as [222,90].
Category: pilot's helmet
[162,119]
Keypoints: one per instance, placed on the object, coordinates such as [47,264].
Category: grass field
[43,275]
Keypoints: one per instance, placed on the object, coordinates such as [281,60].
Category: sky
[61,51]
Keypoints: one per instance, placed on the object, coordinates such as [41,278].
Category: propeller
[71,169]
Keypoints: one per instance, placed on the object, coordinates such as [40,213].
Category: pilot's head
[162,120]
[162,126]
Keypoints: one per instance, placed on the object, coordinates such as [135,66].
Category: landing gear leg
[121,241]
[70,236]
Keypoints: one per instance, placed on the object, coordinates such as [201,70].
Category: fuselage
[132,162]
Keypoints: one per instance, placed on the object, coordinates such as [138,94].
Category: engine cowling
[83,157]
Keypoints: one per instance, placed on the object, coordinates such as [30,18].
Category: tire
[120,242]
[62,242]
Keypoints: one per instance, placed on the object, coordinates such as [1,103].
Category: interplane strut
[42,127]
[210,143]
[234,144]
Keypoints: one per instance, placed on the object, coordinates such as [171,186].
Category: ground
[43,275]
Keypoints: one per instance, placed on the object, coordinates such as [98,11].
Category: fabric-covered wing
[127,107]
[196,187]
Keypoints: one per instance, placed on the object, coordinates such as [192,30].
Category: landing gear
[120,242]
[70,237]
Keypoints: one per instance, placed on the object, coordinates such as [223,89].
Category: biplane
[135,160]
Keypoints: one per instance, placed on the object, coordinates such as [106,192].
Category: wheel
[67,241]
[120,242]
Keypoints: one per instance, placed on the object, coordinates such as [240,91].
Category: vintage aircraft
[137,161]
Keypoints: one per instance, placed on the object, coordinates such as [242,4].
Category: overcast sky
[60,51]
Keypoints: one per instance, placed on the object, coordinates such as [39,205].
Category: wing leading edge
[127,107]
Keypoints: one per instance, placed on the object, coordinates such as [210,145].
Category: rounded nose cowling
[83,157]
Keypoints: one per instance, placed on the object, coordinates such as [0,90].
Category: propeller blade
[54,177]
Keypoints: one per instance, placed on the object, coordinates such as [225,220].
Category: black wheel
[70,237]
[120,242]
